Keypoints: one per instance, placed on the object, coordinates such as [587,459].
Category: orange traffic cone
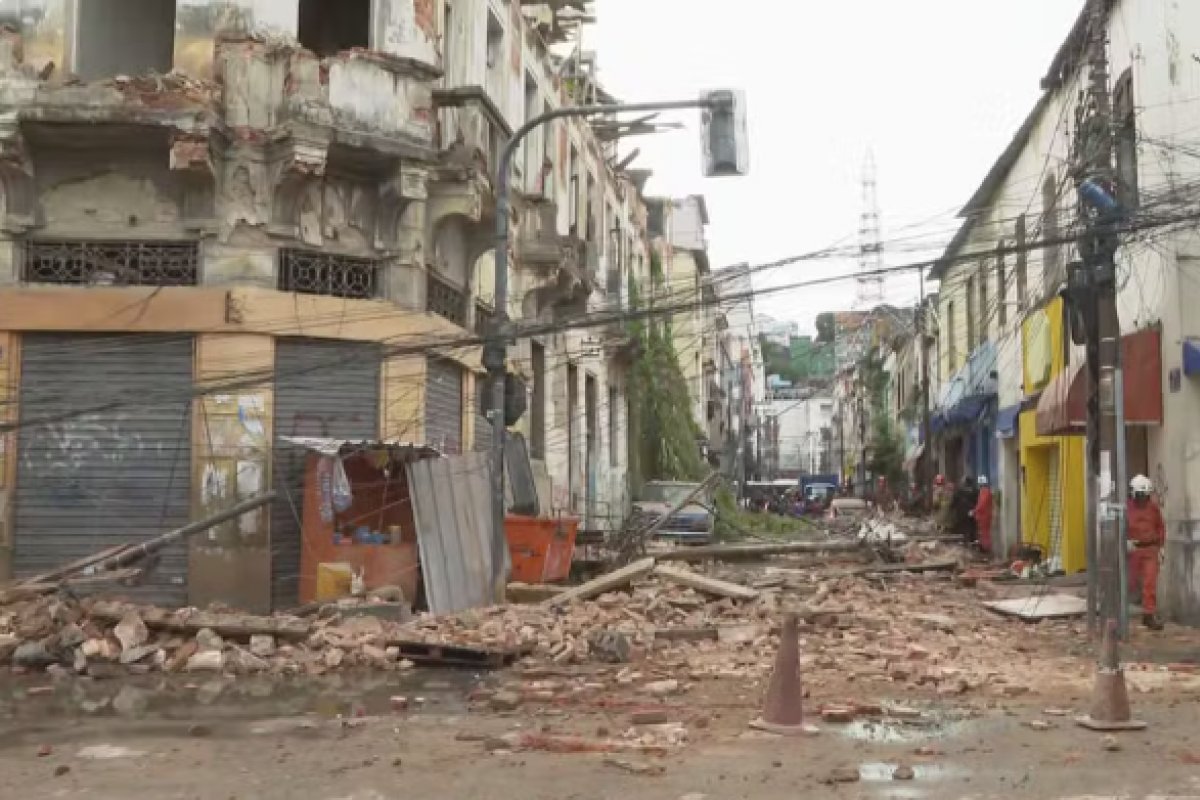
[783,707]
[1110,699]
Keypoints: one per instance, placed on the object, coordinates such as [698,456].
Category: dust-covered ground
[917,689]
[348,738]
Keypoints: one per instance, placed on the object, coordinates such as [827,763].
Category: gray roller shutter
[322,388]
[444,405]
[483,428]
[104,452]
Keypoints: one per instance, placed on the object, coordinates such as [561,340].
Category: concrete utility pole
[927,454]
[1095,280]
[725,152]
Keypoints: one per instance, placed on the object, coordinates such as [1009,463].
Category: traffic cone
[1110,699]
[783,707]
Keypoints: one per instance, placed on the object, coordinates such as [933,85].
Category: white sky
[935,88]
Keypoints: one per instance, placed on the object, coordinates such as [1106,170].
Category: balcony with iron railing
[445,300]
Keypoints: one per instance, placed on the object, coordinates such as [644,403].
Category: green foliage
[664,436]
[804,360]
[656,268]
[887,448]
[777,360]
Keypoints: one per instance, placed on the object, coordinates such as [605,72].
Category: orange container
[541,549]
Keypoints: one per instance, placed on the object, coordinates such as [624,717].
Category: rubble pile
[104,639]
[899,629]
[906,632]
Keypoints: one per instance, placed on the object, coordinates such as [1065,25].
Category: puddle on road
[26,702]
[882,771]
[893,731]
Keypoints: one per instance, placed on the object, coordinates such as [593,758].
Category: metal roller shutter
[322,388]
[444,405]
[483,428]
[108,476]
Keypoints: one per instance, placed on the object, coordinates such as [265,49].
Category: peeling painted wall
[232,441]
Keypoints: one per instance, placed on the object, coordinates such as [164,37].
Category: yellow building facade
[1053,510]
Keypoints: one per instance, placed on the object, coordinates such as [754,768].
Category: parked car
[692,524]
[817,497]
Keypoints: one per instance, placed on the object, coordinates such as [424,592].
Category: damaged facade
[1012,383]
[227,222]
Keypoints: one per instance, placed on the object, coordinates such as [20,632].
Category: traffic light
[724,139]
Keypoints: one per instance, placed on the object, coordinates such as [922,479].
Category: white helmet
[1141,485]
[981,480]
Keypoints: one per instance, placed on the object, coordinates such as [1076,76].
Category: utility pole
[1096,278]
[724,139]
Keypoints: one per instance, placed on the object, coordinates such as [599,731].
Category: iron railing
[311,272]
[112,263]
[445,300]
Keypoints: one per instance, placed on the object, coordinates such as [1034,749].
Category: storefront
[104,451]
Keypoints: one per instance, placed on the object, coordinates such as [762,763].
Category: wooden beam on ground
[605,583]
[66,570]
[705,584]
[730,552]
[190,621]
[878,569]
[26,589]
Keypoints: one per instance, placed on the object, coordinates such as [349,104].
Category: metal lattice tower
[870,241]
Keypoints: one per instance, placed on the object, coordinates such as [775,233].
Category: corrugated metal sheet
[451,506]
[323,388]
[444,405]
[89,481]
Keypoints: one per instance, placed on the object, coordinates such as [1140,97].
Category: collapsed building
[230,221]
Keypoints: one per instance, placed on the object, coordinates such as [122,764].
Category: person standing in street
[982,514]
[941,503]
[1146,535]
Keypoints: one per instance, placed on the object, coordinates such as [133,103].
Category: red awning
[1062,408]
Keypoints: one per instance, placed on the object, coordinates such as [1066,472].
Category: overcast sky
[934,88]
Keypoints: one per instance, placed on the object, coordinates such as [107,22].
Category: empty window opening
[573,190]
[328,27]
[495,41]
[1125,115]
[952,349]
[1001,286]
[125,37]
[984,307]
[1022,262]
[537,422]
[533,148]
[972,310]
[1051,279]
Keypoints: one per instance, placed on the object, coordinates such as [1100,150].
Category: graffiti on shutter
[104,452]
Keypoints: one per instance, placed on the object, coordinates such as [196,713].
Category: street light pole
[495,349]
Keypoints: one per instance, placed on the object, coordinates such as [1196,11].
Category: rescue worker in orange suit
[1146,536]
[983,514]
